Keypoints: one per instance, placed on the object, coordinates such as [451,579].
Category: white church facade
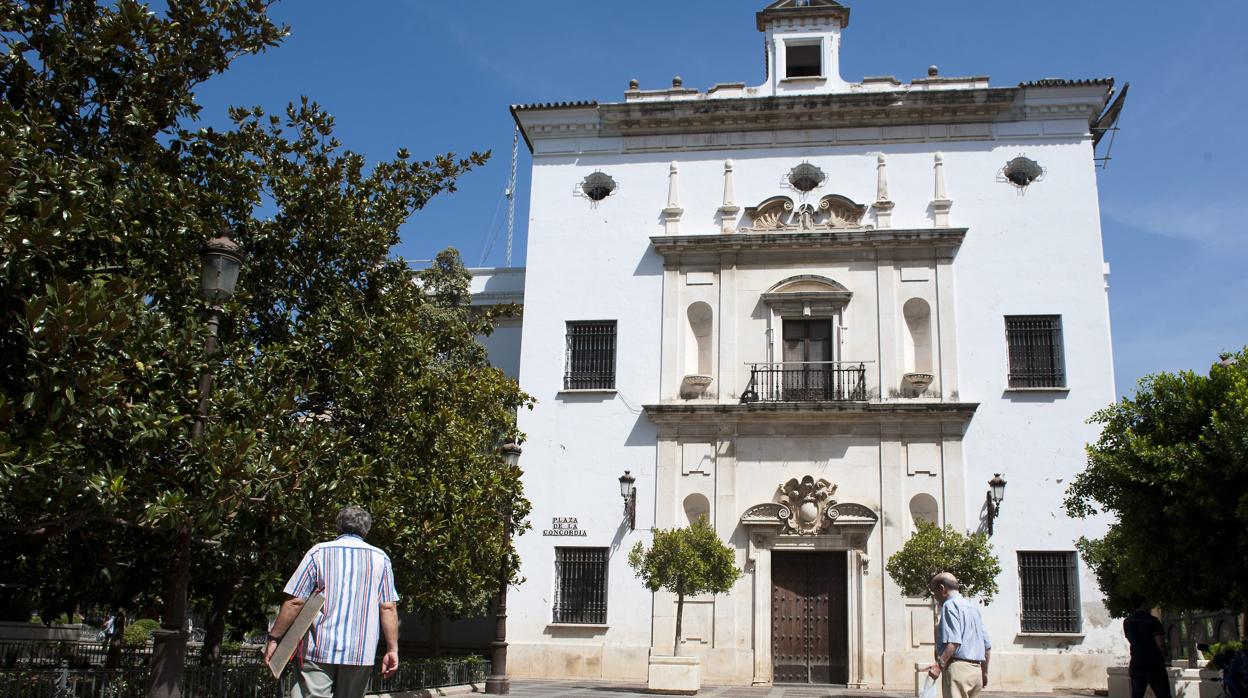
[815,311]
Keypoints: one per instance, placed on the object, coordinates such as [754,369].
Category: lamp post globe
[222,258]
[626,484]
[997,484]
[511,454]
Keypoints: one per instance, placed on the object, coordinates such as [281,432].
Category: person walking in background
[963,646]
[1147,638]
[357,582]
[110,627]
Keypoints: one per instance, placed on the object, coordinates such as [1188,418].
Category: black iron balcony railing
[806,381]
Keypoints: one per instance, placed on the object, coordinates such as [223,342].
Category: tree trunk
[435,635]
[1243,621]
[169,641]
[680,608]
[1192,653]
[214,634]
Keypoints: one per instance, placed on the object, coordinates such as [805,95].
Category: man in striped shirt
[357,582]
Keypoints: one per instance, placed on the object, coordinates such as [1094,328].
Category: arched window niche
[806,295]
[923,508]
[698,350]
[805,299]
[697,506]
[917,347]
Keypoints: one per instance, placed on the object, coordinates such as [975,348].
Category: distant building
[815,311]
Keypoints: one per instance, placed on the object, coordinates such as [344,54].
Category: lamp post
[996,494]
[629,493]
[221,258]
[497,682]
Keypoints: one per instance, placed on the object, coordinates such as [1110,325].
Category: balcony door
[807,374]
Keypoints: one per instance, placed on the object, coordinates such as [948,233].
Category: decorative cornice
[787,9]
[788,112]
[718,413]
[915,105]
[672,246]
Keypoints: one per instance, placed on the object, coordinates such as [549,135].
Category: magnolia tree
[339,380]
[685,562]
[932,550]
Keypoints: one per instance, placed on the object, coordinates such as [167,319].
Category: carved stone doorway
[810,620]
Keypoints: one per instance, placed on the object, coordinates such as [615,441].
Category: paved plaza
[605,689]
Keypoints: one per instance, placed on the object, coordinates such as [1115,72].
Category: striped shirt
[355,578]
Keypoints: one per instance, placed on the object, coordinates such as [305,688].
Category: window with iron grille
[590,362]
[1035,351]
[581,585]
[1049,584]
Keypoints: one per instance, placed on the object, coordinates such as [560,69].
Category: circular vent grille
[806,177]
[1022,171]
[598,186]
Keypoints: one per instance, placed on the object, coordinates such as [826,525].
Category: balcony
[807,381]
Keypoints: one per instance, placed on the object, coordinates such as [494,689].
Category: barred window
[1035,351]
[1049,582]
[581,585]
[590,362]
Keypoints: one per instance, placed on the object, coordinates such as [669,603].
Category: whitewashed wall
[1032,251]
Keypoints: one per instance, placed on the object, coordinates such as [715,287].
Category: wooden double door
[809,618]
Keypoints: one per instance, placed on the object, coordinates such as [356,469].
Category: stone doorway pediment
[806,507]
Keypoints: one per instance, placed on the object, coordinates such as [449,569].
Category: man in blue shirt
[963,647]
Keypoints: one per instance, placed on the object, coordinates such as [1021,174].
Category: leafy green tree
[933,549]
[1170,465]
[338,379]
[685,562]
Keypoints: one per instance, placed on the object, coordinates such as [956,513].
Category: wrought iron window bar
[590,357]
[1049,583]
[806,381]
[1035,343]
[581,585]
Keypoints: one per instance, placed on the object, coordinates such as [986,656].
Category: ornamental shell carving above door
[809,503]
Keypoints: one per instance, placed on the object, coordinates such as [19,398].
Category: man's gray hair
[354,520]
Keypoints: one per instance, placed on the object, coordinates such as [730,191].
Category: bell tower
[803,40]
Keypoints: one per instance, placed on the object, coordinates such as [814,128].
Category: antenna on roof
[511,192]
[1108,123]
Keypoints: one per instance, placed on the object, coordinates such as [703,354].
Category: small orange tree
[934,549]
[685,562]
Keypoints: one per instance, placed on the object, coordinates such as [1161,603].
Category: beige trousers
[331,681]
[961,680]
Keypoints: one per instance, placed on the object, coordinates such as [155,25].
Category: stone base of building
[1184,683]
[1010,671]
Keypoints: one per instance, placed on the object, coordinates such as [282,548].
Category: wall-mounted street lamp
[498,683]
[629,493]
[996,494]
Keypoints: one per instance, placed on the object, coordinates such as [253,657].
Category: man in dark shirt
[1148,651]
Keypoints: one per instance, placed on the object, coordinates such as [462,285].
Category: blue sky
[439,76]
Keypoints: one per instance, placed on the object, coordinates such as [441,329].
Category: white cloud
[1213,221]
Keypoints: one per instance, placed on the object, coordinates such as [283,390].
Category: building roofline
[898,107]
[544,107]
[784,9]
